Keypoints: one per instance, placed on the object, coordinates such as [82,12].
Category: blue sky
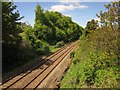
[80,12]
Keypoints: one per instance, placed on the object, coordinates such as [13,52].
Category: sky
[80,12]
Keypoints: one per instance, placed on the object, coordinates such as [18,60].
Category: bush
[95,64]
[60,44]
[72,53]
[41,47]
[105,78]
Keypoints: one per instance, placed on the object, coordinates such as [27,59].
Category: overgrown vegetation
[22,42]
[51,29]
[96,63]
[10,37]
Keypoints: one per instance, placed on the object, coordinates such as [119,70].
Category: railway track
[38,72]
[31,66]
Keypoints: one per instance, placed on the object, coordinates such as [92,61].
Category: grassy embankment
[96,63]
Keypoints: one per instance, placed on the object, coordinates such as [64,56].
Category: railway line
[39,71]
[32,66]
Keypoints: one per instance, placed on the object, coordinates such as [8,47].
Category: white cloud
[67,7]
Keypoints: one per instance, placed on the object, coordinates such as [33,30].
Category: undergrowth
[96,63]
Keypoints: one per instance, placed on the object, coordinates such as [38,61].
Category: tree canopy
[52,27]
[10,33]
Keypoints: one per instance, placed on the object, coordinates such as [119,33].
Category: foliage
[38,45]
[72,54]
[60,35]
[93,60]
[10,34]
[110,17]
[59,44]
[96,63]
[91,25]
[22,42]
[50,29]
[10,24]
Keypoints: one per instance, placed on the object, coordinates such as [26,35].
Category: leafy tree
[43,32]
[53,26]
[10,33]
[36,39]
[60,35]
[110,17]
[65,28]
[10,23]
[53,16]
[92,25]
[44,28]
[39,15]
[63,22]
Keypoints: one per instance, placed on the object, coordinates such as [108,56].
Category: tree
[52,27]
[110,17]
[39,15]
[10,33]
[60,35]
[10,23]
[91,26]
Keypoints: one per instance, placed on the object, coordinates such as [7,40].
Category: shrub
[105,78]
[59,44]
[95,64]
[41,47]
[72,54]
